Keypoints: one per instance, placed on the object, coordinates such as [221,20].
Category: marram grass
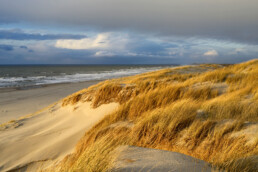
[207,111]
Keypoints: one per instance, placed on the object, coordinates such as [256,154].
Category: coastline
[97,121]
[17,102]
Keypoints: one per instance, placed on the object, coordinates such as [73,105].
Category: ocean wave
[77,77]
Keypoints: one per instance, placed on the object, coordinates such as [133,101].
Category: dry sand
[47,136]
[134,159]
[16,103]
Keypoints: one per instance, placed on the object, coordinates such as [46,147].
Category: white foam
[78,77]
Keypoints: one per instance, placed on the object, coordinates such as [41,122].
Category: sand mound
[131,158]
[47,137]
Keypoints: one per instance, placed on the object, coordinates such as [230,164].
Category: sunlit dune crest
[206,111]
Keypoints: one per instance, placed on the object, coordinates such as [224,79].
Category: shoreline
[9,89]
[17,101]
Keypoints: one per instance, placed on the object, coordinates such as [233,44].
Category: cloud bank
[125,48]
[234,20]
[128,31]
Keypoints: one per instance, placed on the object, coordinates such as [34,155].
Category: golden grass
[94,151]
[106,94]
[180,109]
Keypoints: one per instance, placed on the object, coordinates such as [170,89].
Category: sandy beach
[15,103]
[48,135]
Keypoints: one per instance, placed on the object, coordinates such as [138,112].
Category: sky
[128,31]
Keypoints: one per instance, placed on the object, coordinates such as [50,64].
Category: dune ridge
[203,111]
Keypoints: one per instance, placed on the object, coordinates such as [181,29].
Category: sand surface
[48,136]
[134,159]
[16,103]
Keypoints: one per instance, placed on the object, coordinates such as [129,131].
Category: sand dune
[199,114]
[48,136]
[134,159]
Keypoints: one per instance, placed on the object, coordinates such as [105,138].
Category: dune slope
[209,112]
[48,136]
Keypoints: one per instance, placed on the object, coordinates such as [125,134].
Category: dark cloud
[6,47]
[20,35]
[24,47]
[221,19]
[148,47]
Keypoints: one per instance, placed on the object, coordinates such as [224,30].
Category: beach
[25,89]
[136,123]
[38,139]
[17,102]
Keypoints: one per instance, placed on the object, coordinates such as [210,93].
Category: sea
[22,76]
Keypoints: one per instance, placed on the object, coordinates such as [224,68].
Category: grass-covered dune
[206,111]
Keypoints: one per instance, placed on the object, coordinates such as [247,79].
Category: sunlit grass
[193,110]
